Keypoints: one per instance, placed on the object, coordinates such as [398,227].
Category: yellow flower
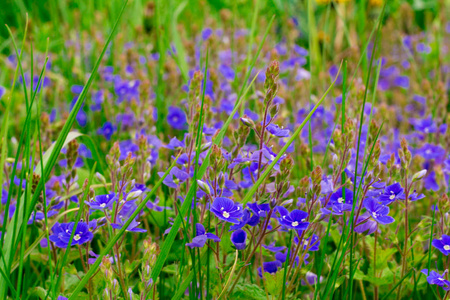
[376,2]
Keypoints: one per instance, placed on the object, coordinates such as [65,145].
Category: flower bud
[419,175]
[204,187]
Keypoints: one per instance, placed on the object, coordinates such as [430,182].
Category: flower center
[446,247]
[103,205]
[294,224]
[226,214]
[392,197]
[340,200]
[374,214]
[77,237]
[428,151]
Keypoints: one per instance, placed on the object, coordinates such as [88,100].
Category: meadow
[225,149]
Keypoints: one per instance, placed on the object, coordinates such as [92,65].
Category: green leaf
[274,282]
[70,137]
[39,292]
[247,291]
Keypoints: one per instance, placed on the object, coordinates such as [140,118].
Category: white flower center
[340,200]
[374,214]
[441,279]
[294,224]
[77,237]
[392,197]
[428,151]
[226,214]
[446,247]
[103,205]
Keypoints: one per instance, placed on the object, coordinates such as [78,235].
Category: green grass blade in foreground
[115,239]
[10,101]
[70,120]
[255,187]
[57,149]
[165,249]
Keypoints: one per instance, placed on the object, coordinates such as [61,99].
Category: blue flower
[176,118]
[429,151]
[102,201]
[260,210]
[239,239]
[246,219]
[175,177]
[270,267]
[133,227]
[206,33]
[378,211]
[295,219]
[341,201]
[175,144]
[201,237]
[107,130]
[391,193]
[225,209]
[62,232]
[277,131]
[434,277]
[443,244]
[311,244]
[227,72]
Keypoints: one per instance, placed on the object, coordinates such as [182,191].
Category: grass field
[220,149]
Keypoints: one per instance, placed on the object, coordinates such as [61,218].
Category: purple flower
[295,219]
[62,232]
[429,151]
[107,130]
[378,211]
[246,219]
[426,125]
[341,201]
[401,81]
[277,131]
[176,118]
[270,267]
[175,143]
[102,201]
[239,239]
[443,244]
[311,244]
[225,209]
[391,193]
[206,33]
[133,227]
[175,177]
[434,277]
[227,72]
[260,210]
[201,237]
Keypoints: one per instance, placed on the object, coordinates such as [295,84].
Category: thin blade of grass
[54,154]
